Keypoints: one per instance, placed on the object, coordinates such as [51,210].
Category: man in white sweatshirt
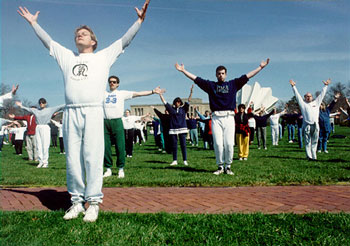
[310,110]
[85,77]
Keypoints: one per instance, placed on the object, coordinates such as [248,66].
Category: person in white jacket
[85,78]
[274,123]
[8,95]
[310,110]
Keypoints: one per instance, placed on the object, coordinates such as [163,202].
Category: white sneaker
[39,165]
[290,141]
[74,211]
[91,213]
[318,151]
[326,151]
[107,173]
[174,163]
[121,174]
[45,165]
[219,171]
[229,172]
[240,158]
[185,163]
[245,158]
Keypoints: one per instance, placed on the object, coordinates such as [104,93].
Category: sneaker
[228,171]
[185,163]
[121,174]
[40,165]
[326,151]
[74,211]
[290,141]
[318,151]
[245,158]
[91,213]
[219,171]
[240,158]
[46,165]
[259,148]
[265,148]
[107,173]
[174,163]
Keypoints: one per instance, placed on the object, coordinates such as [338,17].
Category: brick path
[276,199]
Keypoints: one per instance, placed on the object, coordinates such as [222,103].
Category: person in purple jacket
[222,102]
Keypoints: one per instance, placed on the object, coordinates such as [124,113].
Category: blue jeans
[322,140]
[290,132]
[300,137]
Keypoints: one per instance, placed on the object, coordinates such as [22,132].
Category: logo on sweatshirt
[80,70]
[222,89]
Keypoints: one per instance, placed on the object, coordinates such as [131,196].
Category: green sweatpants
[114,133]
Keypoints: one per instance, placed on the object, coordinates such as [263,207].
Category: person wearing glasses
[310,109]
[42,131]
[85,76]
[113,125]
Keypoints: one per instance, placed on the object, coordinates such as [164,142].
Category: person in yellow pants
[242,133]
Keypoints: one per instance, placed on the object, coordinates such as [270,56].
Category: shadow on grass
[183,168]
[52,199]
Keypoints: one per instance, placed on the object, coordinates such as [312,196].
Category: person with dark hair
[31,145]
[18,128]
[42,131]
[192,126]
[178,126]
[242,134]
[222,101]
[85,75]
[118,128]
[60,135]
[310,110]
[261,123]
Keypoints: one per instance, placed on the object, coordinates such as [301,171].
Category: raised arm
[191,92]
[130,34]
[323,92]
[162,98]
[32,20]
[296,93]
[181,68]
[157,90]
[258,69]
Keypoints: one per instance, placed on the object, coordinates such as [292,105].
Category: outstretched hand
[14,89]
[292,82]
[24,12]
[12,116]
[158,90]
[180,68]
[142,13]
[264,63]
[327,82]
[18,103]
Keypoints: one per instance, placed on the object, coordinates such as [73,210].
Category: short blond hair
[92,34]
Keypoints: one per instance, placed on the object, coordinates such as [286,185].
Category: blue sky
[308,41]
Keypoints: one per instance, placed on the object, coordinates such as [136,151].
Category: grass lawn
[285,164]
[278,165]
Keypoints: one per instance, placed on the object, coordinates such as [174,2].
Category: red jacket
[31,123]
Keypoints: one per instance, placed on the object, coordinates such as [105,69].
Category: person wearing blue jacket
[222,102]
[325,123]
[178,125]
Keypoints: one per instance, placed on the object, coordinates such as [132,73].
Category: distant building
[143,109]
